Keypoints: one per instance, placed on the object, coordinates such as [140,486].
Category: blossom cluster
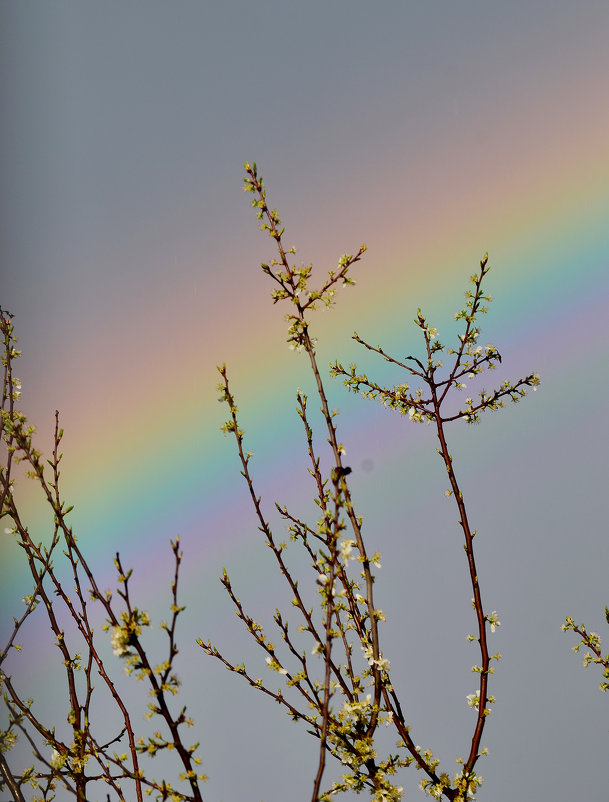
[124,635]
[592,643]
[292,280]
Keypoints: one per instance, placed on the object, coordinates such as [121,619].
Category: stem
[469,550]
[357,531]
[10,780]
[330,613]
[291,287]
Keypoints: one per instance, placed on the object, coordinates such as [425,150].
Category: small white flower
[493,620]
[272,663]
[368,654]
[473,699]
[383,664]
[345,548]
[30,601]
[120,641]
[57,760]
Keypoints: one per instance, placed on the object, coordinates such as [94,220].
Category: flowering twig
[592,642]
[293,283]
[469,358]
[340,684]
[349,733]
[347,614]
[72,759]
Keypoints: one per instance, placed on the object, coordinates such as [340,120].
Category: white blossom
[272,663]
[30,601]
[493,620]
[57,760]
[473,699]
[345,548]
[120,641]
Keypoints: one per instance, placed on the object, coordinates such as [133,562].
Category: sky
[130,258]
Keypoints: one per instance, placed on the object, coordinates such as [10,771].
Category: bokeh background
[130,257]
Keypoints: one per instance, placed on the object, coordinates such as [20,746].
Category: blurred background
[130,258]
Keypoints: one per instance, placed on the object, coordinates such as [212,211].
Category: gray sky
[432,132]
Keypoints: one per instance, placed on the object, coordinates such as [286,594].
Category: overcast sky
[130,257]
